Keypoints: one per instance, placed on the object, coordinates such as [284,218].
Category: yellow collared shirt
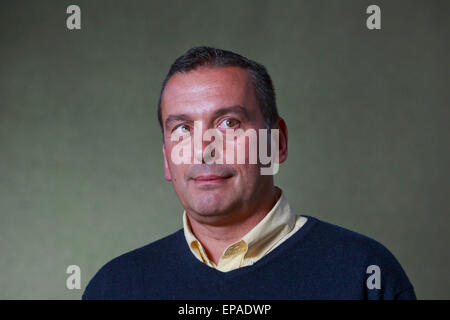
[276,227]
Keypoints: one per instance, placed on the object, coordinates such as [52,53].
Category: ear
[283,140]
[167,175]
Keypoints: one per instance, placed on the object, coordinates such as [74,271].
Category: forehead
[207,89]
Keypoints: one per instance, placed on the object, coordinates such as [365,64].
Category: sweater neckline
[192,262]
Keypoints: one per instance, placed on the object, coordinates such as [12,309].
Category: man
[240,239]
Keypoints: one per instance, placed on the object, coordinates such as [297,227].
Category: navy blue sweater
[320,261]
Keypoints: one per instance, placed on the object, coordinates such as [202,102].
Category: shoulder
[351,253]
[328,236]
[123,275]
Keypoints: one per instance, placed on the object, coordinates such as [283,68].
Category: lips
[210,180]
[210,177]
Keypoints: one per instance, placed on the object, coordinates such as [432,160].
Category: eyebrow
[175,118]
[234,109]
[223,111]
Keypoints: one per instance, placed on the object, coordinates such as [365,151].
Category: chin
[209,203]
[210,208]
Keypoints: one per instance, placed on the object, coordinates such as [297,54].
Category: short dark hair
[208,56]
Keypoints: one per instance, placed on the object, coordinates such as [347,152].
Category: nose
[207,146]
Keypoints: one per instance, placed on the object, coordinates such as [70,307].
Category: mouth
[210,179]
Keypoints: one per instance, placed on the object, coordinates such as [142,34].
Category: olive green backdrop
[81,172]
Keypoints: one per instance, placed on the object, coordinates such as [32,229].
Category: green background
[81,171]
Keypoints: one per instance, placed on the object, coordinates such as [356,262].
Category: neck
[216,238]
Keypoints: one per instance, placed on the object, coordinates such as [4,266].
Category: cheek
[176,170]
[247,180]
[241,150]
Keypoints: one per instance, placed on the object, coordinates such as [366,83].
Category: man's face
[221,98]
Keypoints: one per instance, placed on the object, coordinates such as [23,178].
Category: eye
[182,128]
[229,123]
